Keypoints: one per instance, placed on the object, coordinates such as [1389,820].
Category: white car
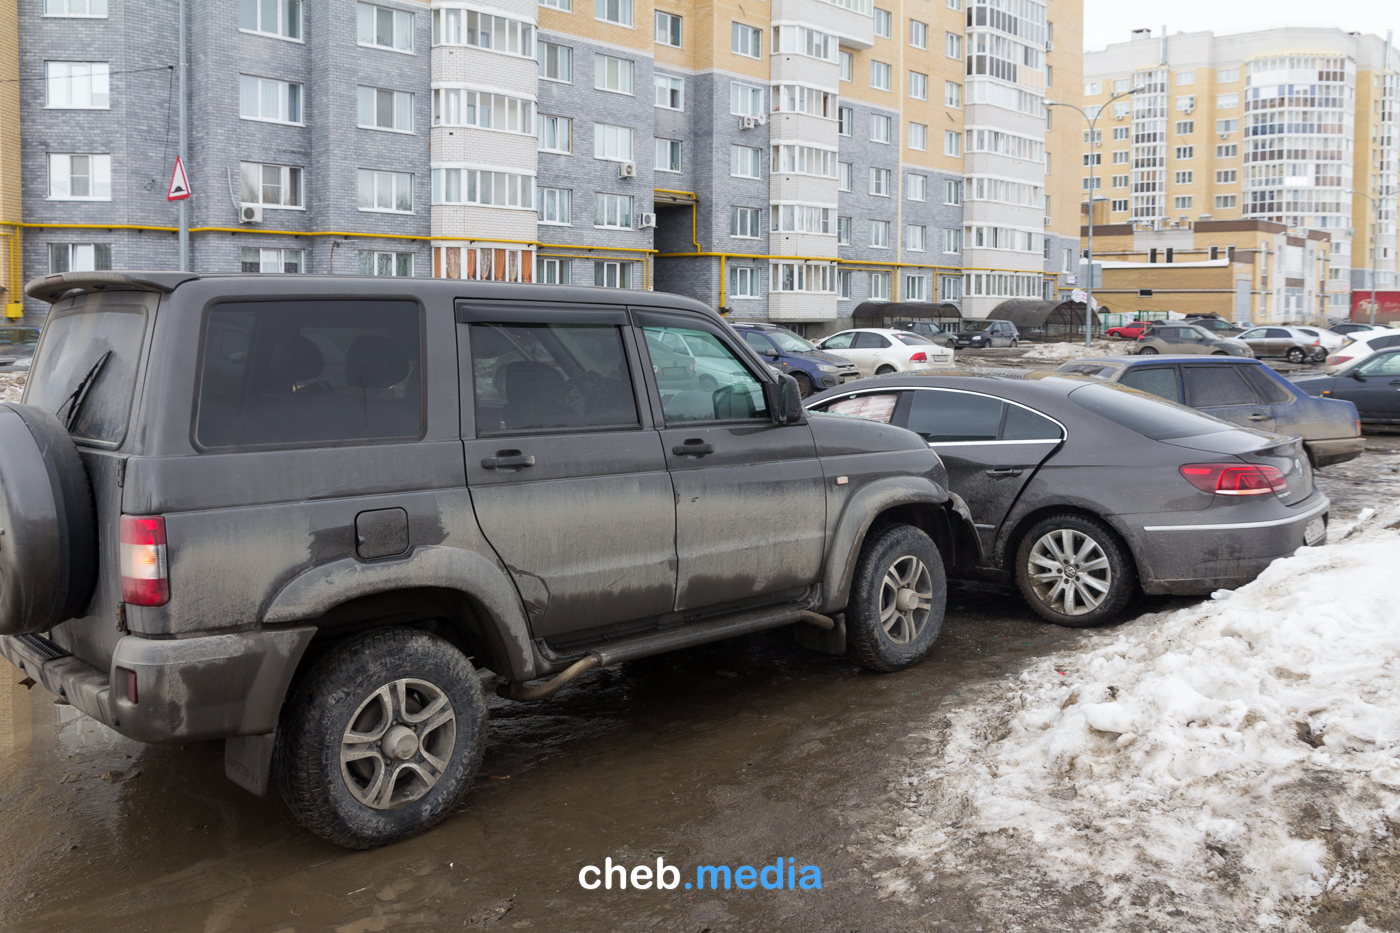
[876,351]
[1330,342]
[1361,345]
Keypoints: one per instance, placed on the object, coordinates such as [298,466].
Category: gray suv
[303,513]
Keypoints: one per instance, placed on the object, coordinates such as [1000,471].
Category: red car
[1131,331]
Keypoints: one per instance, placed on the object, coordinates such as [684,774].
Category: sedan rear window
[1151,417]
[942,417]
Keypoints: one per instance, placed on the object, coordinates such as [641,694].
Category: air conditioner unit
[1224,135]
[647,220]
[1047,221]
[1119,116]
[627,170]
[1049,46]
[747,123]
[250,214]
[1188,110]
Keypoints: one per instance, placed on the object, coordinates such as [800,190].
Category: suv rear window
[310,372]
[76,338]
[1151,417]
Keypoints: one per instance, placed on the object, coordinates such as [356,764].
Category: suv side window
[1383,342]
[758,342]
[310,372]
[532,377]
[1217,386]
[954,416]
[709,386]
[1156,380]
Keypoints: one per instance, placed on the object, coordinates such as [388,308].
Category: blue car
[1372,384]
[1240,390]
[786,352]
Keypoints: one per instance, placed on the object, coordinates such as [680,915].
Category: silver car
[1287,343]
[1178,337]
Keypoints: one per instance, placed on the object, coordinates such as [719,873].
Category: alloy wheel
[906,599]
[1069,572]
[398,744]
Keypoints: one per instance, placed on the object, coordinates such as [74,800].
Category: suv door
[750,496]
[1222,391]
[565,467]
[1376,393]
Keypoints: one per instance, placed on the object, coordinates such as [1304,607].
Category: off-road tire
[885,370]
[307,758]
[1122,575]
[1148,351]
[804,384]
[1296,355]
[868,643]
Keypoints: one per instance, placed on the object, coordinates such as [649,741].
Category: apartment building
[1278,126]
[785,160]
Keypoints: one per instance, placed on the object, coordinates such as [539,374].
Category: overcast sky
[1108,21]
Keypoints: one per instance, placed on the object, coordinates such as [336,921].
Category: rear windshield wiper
[80,392]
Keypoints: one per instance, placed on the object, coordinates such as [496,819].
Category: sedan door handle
[1258,416]
[694,447]
[1005,471]
[508,459]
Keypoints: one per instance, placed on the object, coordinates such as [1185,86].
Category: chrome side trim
[1228,526]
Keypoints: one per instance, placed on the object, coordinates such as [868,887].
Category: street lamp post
[1089,285]
[1375,250]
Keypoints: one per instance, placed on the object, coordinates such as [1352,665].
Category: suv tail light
[1337,360]
[920,357]
[145,581]
[1234,479]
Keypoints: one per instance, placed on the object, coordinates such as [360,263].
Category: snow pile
[1218,767]
[1059,352]
[11,386]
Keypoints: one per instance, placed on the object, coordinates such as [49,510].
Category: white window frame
[518,187]
[843,231]
[952,241]
[554,206]
[745,219]
[847,63]
[918,34]
[881,128]
[1182,202]
[1226,202]
[401,104]
[617,12]
[284,100]
[916,187]
[291,180]
[880,286]
[619,270]
[398,182]
[65,77]
[563,6]
[401,23]
[395,258]
[452,26]
[916,238]
[879,234]
[884,23]
[468,107]
[553,271]
[918,85]
[952,191]
[915,287]
[880,75]
[671,160]
[81,257]
[65,9]
[667,26]
[844,170]
[613,143]
[563,60]
[608,205]
[554,125]
[1118,206]
[917,137]
[670,92]
[256,8]
[601,65]
[953,45]
[99,176]
[278,257]
[746,40]
[879,182]
[952,143]
[952,94]
[739,156]
[746,97]
[845,119]
[743,282]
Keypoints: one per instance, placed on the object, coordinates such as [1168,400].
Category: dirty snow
[1059,352]
[11,386]
[1218,767]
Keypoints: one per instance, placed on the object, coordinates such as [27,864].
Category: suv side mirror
[784,400]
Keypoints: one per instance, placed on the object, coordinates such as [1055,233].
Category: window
[1092,184]
[1182,203]
[743,282]
[1186,103]
[880,182]
[730,393]
[803,277]
[668,155]
[847,66]
[386,191]
[281,18]
[271,260]
[918,85]
[843,284]
[399,265]
[880,76]
[954,5]
[1184,178]
[916,187]
[566,6]
[845,120]
[1184,78]
[1185,152]
[474,186]
[536,376]
[612,274]
[613,11]
[78,85]
[803,160]
[952,45]
[1122,132]
[268,99]
[612,210]
[952,143]
[1226,101]
[880,286]
[746,100]
[801,40]
[555,134]
[1121,157]
[1120,181]
[1216,386]
[1185,127]
[90,8]
[952,191]
[1121,84]
[843,231]
[952,240]
[1225,201]
[1226,126]
[746,40]
[270,185]
[556,62]
[918,34]
[79,257]
[1227,75]
[801,218]
[1093,88]
[554,205]
[375,25]
[915,237]
[1227,152]
[80,177]
[388,110]
[952,94]
[670,93]
[484,31]
[612,74]
[461,107]
[918,136]
[915,288]
[744,222]
[612,143]
[882,23]
[880,125]
[270,379]
[1118,206]
[1093,158]
[843,175]
[553,271]
[880,234]
[745,162]
[1121,109]
[668,29]
[1226,177]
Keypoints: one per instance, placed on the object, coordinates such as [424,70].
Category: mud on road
[735,753]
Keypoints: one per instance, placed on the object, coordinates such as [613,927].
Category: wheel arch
[1010,542]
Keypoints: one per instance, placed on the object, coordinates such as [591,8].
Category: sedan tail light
[1234,479]
[145,579]
[1338,360]
[920,357]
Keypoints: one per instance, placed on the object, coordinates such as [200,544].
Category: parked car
[1359,345]
[1215,324]
[1371,384]
[1242,391]
[1177,337]
[1283,342]
[980,334]
[1132,330]
[876,351]
[813,369]
[1348,328]
[1330,340]
[928,330]
[17,348]
[299,515]
[1086,492]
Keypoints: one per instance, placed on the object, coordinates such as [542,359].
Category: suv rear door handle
[508,459]
[1005,471]
[694,447]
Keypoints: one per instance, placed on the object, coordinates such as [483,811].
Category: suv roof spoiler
[51,288]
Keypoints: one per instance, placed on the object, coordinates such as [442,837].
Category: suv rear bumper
[187,689]
[1335,450]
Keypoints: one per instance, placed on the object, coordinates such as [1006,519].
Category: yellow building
[11,234]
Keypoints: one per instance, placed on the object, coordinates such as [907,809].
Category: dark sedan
[1372,384]
[1240,390]
[1085,492]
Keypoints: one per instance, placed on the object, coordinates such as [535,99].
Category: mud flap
[827,642]
[248,761]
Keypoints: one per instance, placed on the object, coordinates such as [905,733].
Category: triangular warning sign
[179,184]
